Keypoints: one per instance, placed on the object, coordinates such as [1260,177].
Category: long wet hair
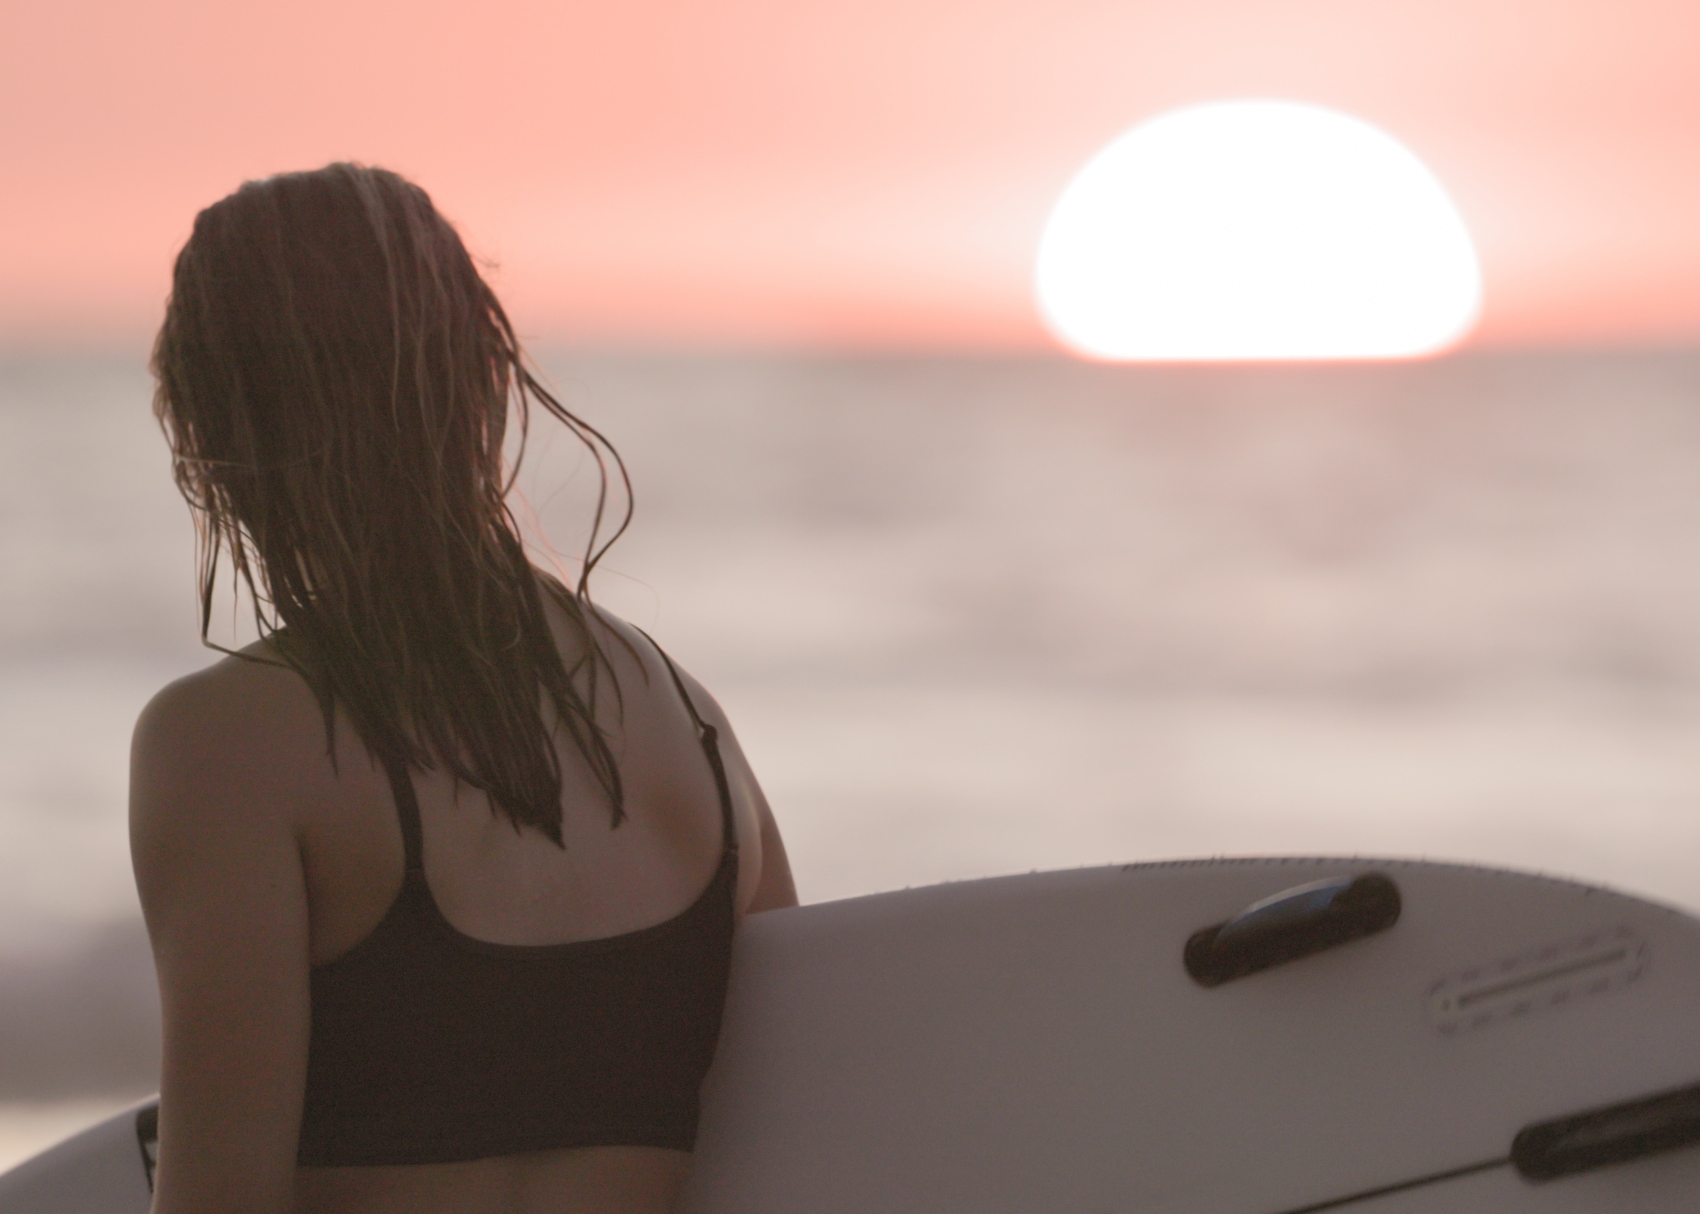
[335,378]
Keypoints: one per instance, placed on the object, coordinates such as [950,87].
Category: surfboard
[1219,1037]
[105,1169]
[1204,1037]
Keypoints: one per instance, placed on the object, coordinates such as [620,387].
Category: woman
[441,874]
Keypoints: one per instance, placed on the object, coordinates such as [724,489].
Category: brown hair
[334,378]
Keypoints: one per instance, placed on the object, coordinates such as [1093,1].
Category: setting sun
[1256,230]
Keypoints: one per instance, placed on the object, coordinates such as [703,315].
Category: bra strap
[710,739]
[407,812]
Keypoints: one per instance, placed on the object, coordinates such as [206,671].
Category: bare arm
[220,876]
[775,890]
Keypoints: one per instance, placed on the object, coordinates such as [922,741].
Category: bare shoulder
[657,666]
[251,687]
[244,727]
[765,881]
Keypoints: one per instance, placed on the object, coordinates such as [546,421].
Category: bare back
[490,881]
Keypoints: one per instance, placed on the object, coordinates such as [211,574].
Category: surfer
[441,873]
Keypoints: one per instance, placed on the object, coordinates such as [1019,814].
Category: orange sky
[798,172]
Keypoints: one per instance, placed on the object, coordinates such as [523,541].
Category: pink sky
[797,172]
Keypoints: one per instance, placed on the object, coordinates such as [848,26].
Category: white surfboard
[1374,1036]
[106,1169]
[1036,1044]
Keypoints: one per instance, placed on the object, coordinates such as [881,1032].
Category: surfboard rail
[1447,1040]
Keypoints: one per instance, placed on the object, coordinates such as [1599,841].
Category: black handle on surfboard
[1614,1134]
[1292,924]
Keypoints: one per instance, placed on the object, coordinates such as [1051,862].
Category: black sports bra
[429,1046]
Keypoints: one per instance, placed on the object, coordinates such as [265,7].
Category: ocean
[971,616]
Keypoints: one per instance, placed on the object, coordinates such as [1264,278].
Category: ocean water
[973,616]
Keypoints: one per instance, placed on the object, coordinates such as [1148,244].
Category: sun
[1256,230]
